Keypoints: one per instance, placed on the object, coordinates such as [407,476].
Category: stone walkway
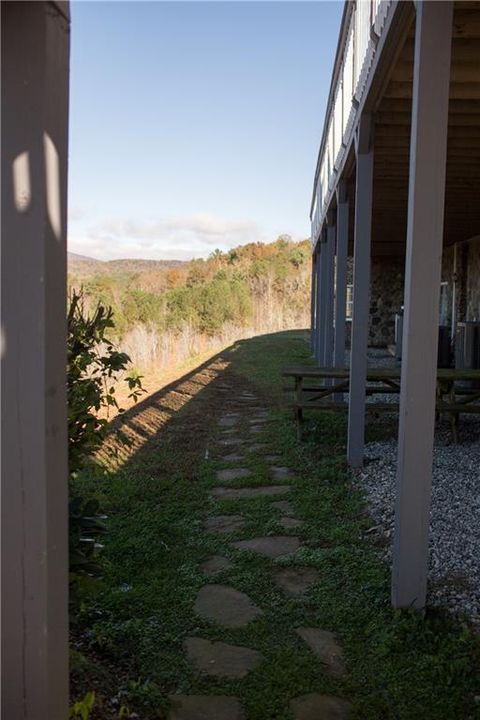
[226,606]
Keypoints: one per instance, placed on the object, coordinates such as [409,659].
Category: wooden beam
[462,71]
[466,24]
[458,90]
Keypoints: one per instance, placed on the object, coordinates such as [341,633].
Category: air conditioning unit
[444,356]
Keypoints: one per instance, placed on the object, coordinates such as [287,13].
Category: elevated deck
[374,73]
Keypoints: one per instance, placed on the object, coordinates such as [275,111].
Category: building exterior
[397,187]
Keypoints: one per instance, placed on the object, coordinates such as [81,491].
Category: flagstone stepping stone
[272,458]
[324,645]
[215,564]
[231,441]
[240,493]
[320,707]
[229,431]
[221,659]
[271,546]
[226,606]
[232,474]
[295,581]
[279,472]
[258,421]
[289,523]
[205,707]
[224,523]
[255,429]
[255,447]
[228,421]
[233,457]
[284,506]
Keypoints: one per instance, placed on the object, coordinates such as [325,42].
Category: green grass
[128,628]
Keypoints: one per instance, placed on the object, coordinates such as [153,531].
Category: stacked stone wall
[387,290]
[386,299]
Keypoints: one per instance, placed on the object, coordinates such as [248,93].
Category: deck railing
[363,22]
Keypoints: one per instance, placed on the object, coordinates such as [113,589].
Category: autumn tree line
[164,315]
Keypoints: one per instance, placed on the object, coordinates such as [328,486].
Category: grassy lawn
[128,627]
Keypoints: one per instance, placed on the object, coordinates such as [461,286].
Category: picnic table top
[376,373]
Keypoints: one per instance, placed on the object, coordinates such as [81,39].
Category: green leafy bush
[93,369]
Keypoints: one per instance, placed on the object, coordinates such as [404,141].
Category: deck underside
[392,112]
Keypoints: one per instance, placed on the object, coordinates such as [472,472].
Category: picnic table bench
[326,387]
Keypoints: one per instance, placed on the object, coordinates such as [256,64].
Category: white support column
[35,61]
[341,277]
[322,298]
[428,149]
[361,291]
[329,290]
[317,301]
[313,302]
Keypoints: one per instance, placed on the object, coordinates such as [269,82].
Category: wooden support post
[361,291]
[341,278]
[428,147]
[317,301]
[329,290]
[313,302]
[322,303]
[35,62]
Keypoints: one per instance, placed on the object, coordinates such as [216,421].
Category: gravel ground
[454,574]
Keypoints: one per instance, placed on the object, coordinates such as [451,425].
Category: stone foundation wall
[386,298]
[387,290]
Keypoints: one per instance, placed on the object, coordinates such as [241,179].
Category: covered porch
[396,188]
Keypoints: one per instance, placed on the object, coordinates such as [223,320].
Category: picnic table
[324,388]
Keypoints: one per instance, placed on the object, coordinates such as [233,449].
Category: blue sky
[194,125]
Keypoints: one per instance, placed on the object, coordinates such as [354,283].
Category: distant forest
[167,311]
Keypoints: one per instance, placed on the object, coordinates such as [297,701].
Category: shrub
[93,368]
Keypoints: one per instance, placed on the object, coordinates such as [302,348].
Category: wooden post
[361,291]
[313,302]
[317,301]
[329,290]
[428,148]
[35,62]
[341,278]
[322,298]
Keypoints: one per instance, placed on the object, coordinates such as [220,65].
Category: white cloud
[163,238]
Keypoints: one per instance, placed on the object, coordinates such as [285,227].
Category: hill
[84,265]
[167,311]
